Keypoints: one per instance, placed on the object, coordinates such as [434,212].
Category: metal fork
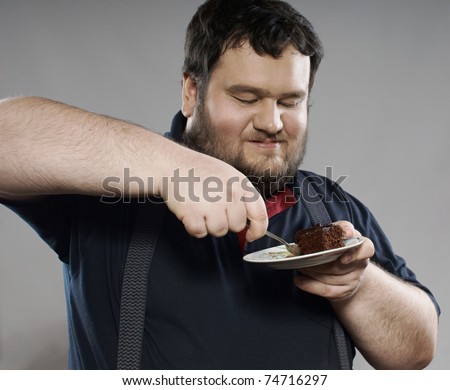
[291,248]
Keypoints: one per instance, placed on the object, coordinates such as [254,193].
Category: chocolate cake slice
[319,238]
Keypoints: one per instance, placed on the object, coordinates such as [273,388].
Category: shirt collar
[177,128]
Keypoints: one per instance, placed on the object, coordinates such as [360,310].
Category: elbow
[427,350]
[425,356]
[423,351]
[415,361]
[412,354]
[420,356]
[422,342]
[419,362]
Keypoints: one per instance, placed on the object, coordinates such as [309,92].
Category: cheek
[295,125]
[227,120]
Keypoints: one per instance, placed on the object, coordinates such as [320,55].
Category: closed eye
[291,104]
[245,101]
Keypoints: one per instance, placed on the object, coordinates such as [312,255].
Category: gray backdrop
[380,115]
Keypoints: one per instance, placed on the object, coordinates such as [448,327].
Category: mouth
[266,144]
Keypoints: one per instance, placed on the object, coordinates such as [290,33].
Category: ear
[189,95]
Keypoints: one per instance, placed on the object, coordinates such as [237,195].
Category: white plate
[278,257]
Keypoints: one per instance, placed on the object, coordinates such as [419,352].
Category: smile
[265,144]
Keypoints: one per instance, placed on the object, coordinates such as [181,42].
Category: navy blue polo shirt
[206,307]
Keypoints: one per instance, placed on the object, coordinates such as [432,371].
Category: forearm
[393,324]
[47,147]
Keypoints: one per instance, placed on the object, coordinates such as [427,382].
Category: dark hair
[268,25]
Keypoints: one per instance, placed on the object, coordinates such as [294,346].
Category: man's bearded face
[252,114]
[269,173]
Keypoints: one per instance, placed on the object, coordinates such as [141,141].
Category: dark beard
[203,138]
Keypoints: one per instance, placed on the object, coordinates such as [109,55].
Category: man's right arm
[49,148]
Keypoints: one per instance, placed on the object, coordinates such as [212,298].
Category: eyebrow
[262,92]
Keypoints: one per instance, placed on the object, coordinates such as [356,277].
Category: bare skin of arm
[49,148]
[392,323]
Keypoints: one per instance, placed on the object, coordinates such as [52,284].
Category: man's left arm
[392,322]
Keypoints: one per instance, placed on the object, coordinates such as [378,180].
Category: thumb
[257,220]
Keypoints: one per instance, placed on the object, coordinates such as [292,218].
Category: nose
[268,118]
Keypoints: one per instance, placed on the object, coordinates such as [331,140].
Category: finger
[195,225]
[339,274]
[348,228]
[256,214]
[334,268]
[316,287]
[363,252]
[330,279]
[237,218]
[257,227]
[217,223]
